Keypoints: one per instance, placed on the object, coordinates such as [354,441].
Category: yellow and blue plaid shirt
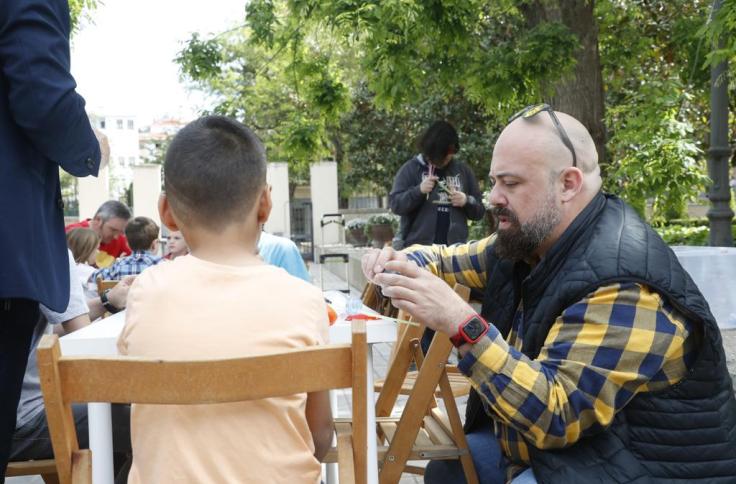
[618,341]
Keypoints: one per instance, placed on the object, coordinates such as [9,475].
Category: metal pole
[720,213]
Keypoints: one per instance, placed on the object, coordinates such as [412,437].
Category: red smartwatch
[470,331]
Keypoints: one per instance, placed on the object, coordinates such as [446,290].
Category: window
[120,124]
[131,160]
[121,160]
[102,124]
[130,124]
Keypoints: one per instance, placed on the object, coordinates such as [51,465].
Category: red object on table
[362,316]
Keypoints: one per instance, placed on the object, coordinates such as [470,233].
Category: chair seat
[459,383]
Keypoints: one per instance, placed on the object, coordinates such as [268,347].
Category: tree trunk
[580,93]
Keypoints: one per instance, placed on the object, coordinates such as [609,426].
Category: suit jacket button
[90,164]
[60,203]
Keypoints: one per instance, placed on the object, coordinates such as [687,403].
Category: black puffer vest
[687,431]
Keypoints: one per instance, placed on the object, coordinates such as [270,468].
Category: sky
[122,58]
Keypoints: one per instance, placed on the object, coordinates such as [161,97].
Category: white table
[100,339]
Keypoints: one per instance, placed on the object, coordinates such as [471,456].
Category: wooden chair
[104,285]
[373,298]
[423,432]
[146,380]
[46,468]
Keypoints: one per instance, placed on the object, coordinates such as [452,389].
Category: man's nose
[496,198]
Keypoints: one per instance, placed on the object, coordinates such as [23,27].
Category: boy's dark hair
[213,172]
[439,140]
[141,232]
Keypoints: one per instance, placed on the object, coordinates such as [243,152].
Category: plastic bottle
[354,305]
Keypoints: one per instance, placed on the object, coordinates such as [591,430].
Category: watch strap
[461,338]
[109,307]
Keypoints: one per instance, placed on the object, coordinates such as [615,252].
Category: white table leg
[331,469]
[372,460]
[100,442]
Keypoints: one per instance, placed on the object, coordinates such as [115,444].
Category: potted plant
[381,228]
[355,232]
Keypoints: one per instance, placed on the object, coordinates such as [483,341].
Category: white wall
[93,192]
[146,190]
[323,181]
[279,222]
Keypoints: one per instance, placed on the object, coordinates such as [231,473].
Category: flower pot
[356,236]
[381,235]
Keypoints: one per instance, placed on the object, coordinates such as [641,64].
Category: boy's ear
[164,211]
[264,205]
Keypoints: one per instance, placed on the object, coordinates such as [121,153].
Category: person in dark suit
[43,125]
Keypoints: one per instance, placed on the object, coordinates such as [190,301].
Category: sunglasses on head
[533,110]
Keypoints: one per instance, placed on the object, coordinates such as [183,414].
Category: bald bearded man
[595,357]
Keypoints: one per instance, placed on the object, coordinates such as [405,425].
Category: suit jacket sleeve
[34,62]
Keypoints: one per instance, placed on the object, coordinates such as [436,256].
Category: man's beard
[519,242]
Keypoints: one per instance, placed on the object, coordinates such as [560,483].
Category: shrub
[691,234]
[382,219]
[356,224]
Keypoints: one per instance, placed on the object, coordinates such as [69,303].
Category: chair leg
[50,478]
[414,411]
[457,432]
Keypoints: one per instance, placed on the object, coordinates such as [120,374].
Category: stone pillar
[146,189]
[323,182]
[93,192]
[279,223]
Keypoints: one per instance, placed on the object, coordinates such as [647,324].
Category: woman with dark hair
[435,194]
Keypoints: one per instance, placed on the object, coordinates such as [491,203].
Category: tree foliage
[721,33]
[78,9]
[356,81]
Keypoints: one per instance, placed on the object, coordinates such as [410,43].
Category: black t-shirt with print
[443,213]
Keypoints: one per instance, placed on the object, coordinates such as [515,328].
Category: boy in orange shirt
[222,300]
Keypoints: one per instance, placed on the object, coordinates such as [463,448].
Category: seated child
[176,245]
[142,235]
[223,301]
[83,243]
[282,252]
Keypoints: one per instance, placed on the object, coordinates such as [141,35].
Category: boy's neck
[234,246]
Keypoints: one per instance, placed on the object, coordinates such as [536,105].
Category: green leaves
[200,59]
[720,33]
[261,18]
[79,9]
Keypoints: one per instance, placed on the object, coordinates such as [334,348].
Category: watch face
[474,329]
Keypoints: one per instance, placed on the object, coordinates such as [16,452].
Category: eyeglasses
[533,110]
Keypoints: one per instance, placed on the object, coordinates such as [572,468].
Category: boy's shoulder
[161,273]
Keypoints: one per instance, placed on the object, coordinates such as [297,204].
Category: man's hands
[118,295]
[419,292]
[375,260]
[428,184]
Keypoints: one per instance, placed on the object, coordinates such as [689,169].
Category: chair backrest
[374,299]
[103,285]
[146,380]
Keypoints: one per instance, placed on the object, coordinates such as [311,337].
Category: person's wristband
[109,307]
